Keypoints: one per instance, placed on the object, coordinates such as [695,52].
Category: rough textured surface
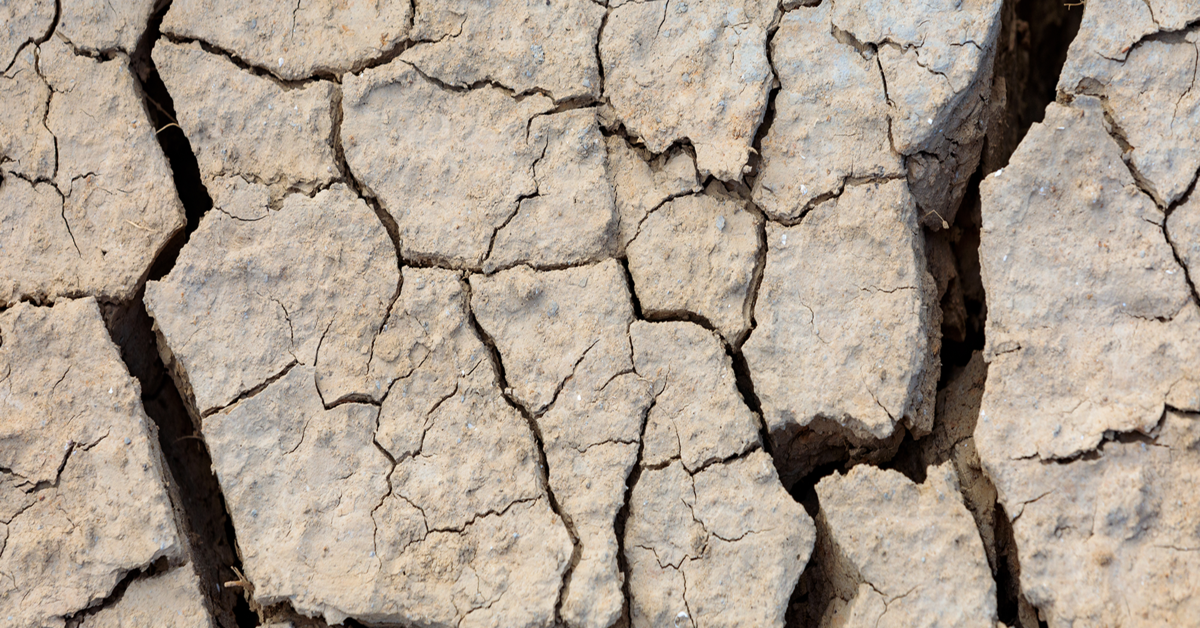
[563,339]
[92,165]
[310,284]
[390,509]
[1088,456]
[902,554]
[25,21]
[705,64]
[722,547]
[449,202]
[641,184]
[171,599]
[294,42]
[523,46]
[847,327]
[96,26]
[698,415]
[697,256]
[242,125]
[831,118]
[82,495]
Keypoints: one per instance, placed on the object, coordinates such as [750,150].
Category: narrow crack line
[558,390]
[250,68]
[251,392]
[1195,63]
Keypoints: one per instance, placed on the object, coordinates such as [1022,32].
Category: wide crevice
[205,519]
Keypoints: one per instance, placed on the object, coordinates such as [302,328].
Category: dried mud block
[309,284]
[831,118]
[83,494]
[641,185]
[1109,305]
[26,145]
[902,554]
[294,41]
[723,547]
[573,218]
[1109,539]
[847,340]
[98,26]
[931,58]
[523,46]
[1156,78]
[1107,32]
[171,600]
[1090,457]
[116,199]
[247,125]
[449,178]
[698,416]
[952,440]
[695,71]
[937,63]
[697,256]
[25,21]
[563,338]
[456,531]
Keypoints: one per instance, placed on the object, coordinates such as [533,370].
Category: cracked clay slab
[297,41]
[523,46]
[449,178]
[342,524]
[722,547]
[563,338]
[902,554]
[168,600]
[240,124]
[694,71]
[697,256]
[1088,458]
[831,118]
[83,491]
[109,188]
[846,342]
[309,283]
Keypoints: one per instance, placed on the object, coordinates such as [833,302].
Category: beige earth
[599,314]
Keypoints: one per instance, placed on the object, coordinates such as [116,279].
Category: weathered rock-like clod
[588,314]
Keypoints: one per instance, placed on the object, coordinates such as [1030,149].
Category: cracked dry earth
[653,313]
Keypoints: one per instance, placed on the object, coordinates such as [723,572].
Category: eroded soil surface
[644,313]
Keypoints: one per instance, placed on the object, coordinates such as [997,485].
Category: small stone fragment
[846,344]
[294,42]
[572,219]
[697,255]
[98,26]
[117,200]
[168,600]
[723,547]
[902,554]
[696,71]
[247,125]
[449,178]
[698,414]
[309,284]
[641,185]
[523,46]
[83,494]
[831,118]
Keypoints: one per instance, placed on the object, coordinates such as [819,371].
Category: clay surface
[588,314]
[902,554]
[83,499]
